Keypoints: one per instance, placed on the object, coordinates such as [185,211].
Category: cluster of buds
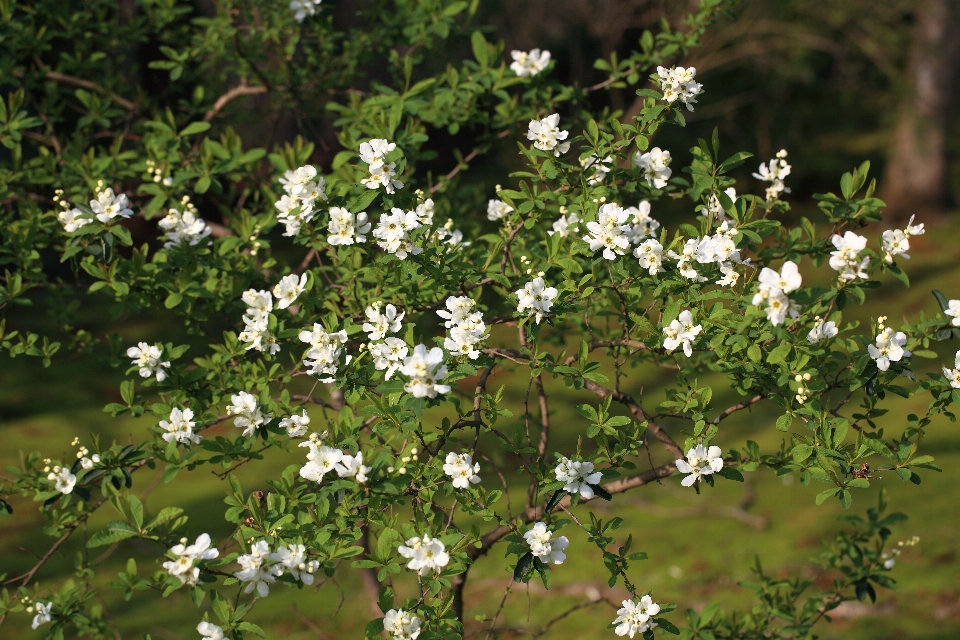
[803,393]
[881,323]
[403,462]
[157,172]
[890,559]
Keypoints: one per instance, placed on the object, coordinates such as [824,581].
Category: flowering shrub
[328,285]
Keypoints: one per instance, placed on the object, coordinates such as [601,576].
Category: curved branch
[242,89]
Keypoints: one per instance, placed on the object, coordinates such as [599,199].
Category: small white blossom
[256,332]
[295,425]
[210,630]
[578,476]
[953,375]
[321,460]
[774,172]
[292,559]
[896,242]
[462,469]
[392,232]
[600,168]
[185,558]
[108,206]
[714,207]
[655,166]
[544,546]
[63,480]
[425,212]
[424,370]
[323,356]
[888,348]
[678,84]
[565,225]
[381,322]
[458,309]
[73,219]
[690,254]
[289,289]
[683,332]
[498,209]
[304,8]
[303,187]
[388,355]
[846,258]
[772,289]
[547,136]
[610,232]
[249,415]
[352,467]
[89,463]
[402,624]
[535,299]
[527,64]
[449,236]
[43,614]
[953,310]
[382,173]
[822,332]
[642,225]
[257,569]
[636,617]
[184,228]
[347,228]
[180,426]
[426,555]
[700,462]
[650,253]
[147,358]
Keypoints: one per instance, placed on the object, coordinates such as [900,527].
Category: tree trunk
[915,178]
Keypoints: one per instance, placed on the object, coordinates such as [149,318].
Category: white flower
[610,232]
[382,322]
[953,375]
[544,546]
[296,425]
[321,459]
[681,331]
[425,212]
[463,341]
[185,558]
[636,617]
[547,136]
[89,463]
[642,224]
[650,253]
[600,169]
[564,225]
[528,64]
[249,416]
[73,219]
[108,206]
[425,369]
[210,630]
[184,228]
[535,299]
[773,287]
[578,476]
[459,308]
[388,355]
[293,560]
[730,276]
[346,228]
[774,172]
[352,467]
[462,468]
[953,310]
[426,555]
[289,289]
[498,209]
[822,332]
[256,322]
[449,236]
[147,358]
[895,243]
[678,84]
[700,462]
[716,209]
[63,479]
[685,260]
[323,356]
[257,570]
[655,166]
[381,172]
[180,426]
[888,348]
[846,258]
[912,229]
[392,232]
[43,614]
[402,624]
[303,187]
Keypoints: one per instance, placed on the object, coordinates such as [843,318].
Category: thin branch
[738,407]
[305,620]
[242,89]
[62,78]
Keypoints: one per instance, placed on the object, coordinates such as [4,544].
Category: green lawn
[697,554]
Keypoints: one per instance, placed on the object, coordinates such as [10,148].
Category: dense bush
[369,285]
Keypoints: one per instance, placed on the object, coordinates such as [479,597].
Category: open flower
[210,630]
[462,469]
[185,559]
[425,369]
[888,348]
[578,476]
[43,614]
[147,357]
[636,617]
[426,555]
[683,332]
[535,299]
[352,467]
[289,289]
[700,462]
[527,64]
[180,426]
[547,136]
[402,624]
[544,546]
[654,166]
[63,480]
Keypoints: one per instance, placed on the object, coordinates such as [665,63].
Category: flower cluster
[547,136]
[184,559]
[536,298]
[347,228]
[803,393]
[289,289]
[700,462]
[256,321]
[714,208]
[846,259]
[184,228]
[322,459]
[719,248]
[679,84]
[636,617]
[888,346]
[303,187]
[426,555]
[822,331]
[258,569]
[654,166]
[544,546]
[683,332]
[466,327]
[449,236]
[642,225]
[424,369]
[402,624]
[565,224]
[896,242]
[578,476]
[774,172]
[249,414]
[600,168]
[210,630]
[382,173]
[772,290]
[147,358]
[611,231]
[953,375]
[462,469]
[180,427]
[64,481]
[304,8]
[650,255]
[86,463]
[528,64]
[322,358]
[296,425]
[393,232]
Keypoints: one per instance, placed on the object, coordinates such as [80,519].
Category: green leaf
[194,128]
[730,474]
[364,200]
[941,300]
[480,48]
[202,184]
[524,564]
[554,500]
[115,532]
[779,354]
[823,495]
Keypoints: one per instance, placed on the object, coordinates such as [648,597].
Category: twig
[242,89]
[305,620]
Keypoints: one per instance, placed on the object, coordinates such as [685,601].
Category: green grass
[695,555]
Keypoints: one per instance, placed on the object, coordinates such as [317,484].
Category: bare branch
[242,89]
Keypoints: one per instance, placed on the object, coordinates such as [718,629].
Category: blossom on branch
[180,427]
[426,555]
[547,136]
[654,166]
[535,299]
[147,358]
[636,617]
[462,469]
[425,369]
[578,476]
[402,624]
[528,64]
[544,546]
[185,558]
[681,332]
[700,462]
